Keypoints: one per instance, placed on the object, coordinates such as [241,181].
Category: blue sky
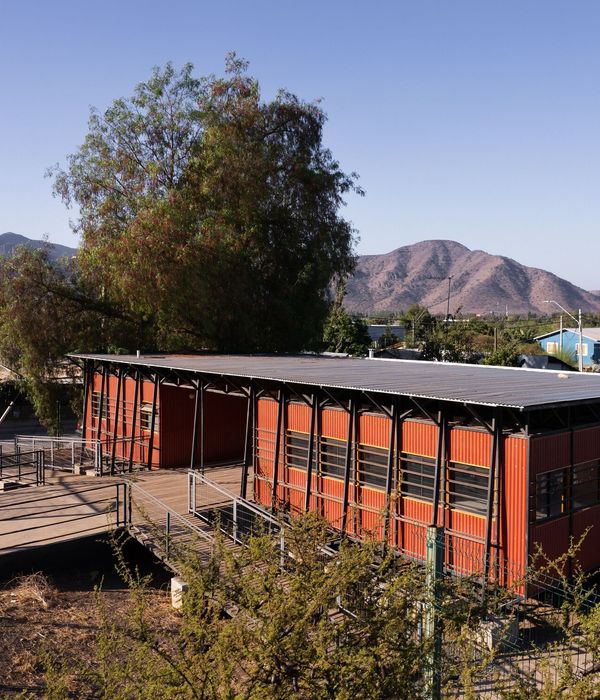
[473,121]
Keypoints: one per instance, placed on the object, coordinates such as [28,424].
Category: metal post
[490,505]
[101,404]
[202,427]
[347,460]
[235,520]
[153,421]
[432,624]
[136,393]
[438,468]
[310,456]
[195,425]
[248,441]
[580,343]
[116,423]
[281,401]
[389,475]
[168,535]
[86,394]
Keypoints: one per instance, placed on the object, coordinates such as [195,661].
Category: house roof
[589,333]
[468,384]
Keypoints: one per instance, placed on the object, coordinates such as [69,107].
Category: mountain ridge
[10,241]
[480,282]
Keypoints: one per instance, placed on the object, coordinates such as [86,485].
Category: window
[146,417]
[96,400]
[333,457]
[296,449]
[468,487]
[584,349]
[552,347]
[418,475]
[585,490]
[372,466]
[550,494]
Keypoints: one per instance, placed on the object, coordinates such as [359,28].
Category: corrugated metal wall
[225,424]
[565,449]
[409,517]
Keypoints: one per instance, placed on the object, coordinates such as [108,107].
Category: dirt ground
[50,606]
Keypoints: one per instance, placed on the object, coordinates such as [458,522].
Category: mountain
[481,283]
[10,241]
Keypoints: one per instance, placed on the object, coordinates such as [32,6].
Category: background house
[551,343]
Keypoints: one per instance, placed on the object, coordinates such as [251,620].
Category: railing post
[52,452]
[168,535]
[235,520]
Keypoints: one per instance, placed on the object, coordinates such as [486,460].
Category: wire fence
[520,640]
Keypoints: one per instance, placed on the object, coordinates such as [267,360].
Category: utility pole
[579,326]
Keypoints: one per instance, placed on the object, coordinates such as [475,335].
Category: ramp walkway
[154,506]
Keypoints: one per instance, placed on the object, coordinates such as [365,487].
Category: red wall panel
[419,438]
[470,446]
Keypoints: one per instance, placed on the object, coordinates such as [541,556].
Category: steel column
[202,426]
[101,404]
[348,459]
[136,393]
[438,468]
[281,403]
[116,422]
[389,475]
[310,456]
[490,504]
[153,421]
[248,441]
[88,369]
[195,425]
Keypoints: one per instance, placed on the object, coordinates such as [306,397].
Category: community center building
[503,459]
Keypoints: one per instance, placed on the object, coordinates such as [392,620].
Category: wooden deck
[70,507]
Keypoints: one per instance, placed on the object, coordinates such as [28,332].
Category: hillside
[10,241]
[481,283]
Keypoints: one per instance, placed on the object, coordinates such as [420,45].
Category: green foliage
[210,214]
[344,333]
[507,356]
[452,343]
[388,338]
[209,219]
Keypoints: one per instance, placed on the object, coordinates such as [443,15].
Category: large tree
[209,219]
[211,214]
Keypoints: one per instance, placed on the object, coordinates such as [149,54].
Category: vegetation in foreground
[348,626]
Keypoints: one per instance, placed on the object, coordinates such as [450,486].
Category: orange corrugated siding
[374,430]
[334,423]
[140,453]
[298,417]
[410,517]
[470,447]
[419,438]
[513,509]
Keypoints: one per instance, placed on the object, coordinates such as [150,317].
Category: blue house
[552,343]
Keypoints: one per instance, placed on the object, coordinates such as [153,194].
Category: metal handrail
[173,514]
[197,476]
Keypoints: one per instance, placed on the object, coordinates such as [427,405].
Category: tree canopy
[210,215]
[209,219]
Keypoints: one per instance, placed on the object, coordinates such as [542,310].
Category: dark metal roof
[472,384]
